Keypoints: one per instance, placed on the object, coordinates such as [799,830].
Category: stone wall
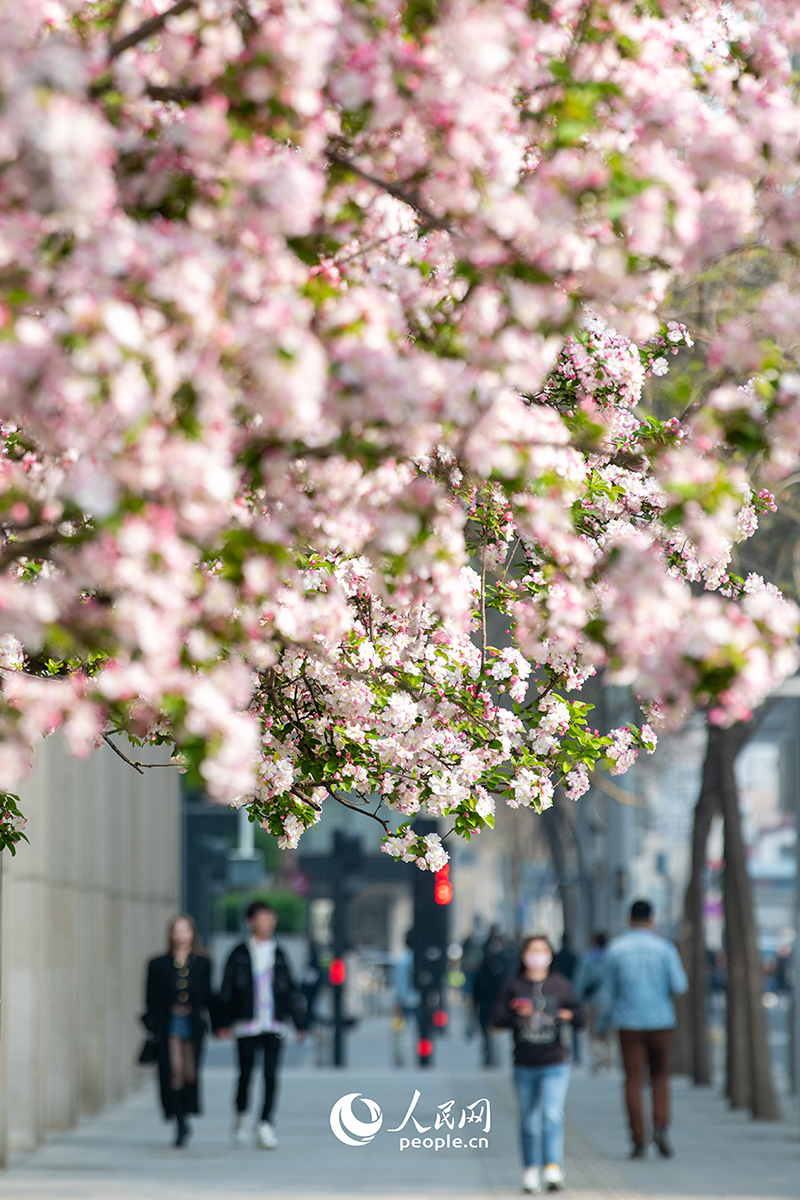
[83,907]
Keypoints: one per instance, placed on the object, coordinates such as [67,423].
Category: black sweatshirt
[537,1038]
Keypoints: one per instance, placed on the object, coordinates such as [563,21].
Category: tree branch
[137,766]
[147,28]
[29,549]
[431,221]
[483,613]
[118,752]
[616,793]
[191,94]
[354,808]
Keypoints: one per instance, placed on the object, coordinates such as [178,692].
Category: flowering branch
[148,28]
[263,402]
[391,189]
[139,767]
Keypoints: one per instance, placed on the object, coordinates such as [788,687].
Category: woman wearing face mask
[536,1003]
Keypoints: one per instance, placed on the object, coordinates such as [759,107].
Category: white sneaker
[267,1137]
[241,1129]
[531,1181]
[554,1177]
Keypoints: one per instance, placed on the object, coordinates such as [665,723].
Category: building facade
[83,907]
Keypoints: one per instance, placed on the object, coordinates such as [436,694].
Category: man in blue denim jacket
[642,973]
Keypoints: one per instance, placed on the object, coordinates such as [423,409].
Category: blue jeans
[541,1092]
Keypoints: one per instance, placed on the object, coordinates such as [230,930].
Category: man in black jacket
[258,995]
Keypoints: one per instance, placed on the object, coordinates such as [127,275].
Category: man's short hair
[641,912]
[258,906]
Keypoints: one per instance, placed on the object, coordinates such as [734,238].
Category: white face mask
[537,960]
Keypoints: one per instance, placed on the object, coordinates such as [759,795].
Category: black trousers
[270,1045]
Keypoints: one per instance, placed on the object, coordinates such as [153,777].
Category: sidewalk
[717,1152]
[125,1153]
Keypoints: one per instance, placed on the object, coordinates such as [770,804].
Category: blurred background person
[471,957]
[489,979]
[536,1004]
[406,997]
[782,974]
[312,982]
[588,979]
[177,1006]
[566,961]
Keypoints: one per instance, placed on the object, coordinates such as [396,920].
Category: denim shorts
[180,1025]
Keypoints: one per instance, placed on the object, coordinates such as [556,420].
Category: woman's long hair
[532,937]
[171,931]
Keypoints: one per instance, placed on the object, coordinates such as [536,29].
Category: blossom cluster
[304,307]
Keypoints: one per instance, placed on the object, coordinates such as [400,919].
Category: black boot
[182,1131]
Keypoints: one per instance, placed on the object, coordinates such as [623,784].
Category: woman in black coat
[178,1004]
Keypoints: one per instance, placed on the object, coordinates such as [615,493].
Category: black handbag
[149,1051]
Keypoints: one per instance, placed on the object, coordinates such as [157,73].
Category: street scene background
[69,1049]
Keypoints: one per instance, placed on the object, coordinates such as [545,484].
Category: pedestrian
[536,1004]
[588,979]
[472,951]
[783,969]
[257,997]
[566,963]
[642,974]
[489,979]
[566,960]
[407,998]
[178,1004]
[312,982]
[471,955]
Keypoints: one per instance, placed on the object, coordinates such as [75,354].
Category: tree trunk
[738,1072]
[681,1058]
[563,847]
[748,1075]
[749,1067]
[694,1045]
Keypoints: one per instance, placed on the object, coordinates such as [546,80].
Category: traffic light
[337,972]
[425,1051]
[432,895]
[443,888]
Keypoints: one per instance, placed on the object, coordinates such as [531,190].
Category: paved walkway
[125,1154]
